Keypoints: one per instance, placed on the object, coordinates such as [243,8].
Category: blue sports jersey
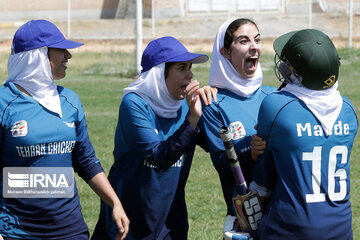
[307,171]
[45,141]
[239,114]
[153,156]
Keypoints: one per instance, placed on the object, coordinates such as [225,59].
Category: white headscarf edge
[325,104]
[31,70]
[151,86]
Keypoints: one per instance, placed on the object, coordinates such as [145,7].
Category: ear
[226,53]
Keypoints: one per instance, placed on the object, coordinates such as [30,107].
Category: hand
[194,103]
[121,221]
[257,146]
[208,93]
[101,185]
[1,238]
[237,235]
[231,226]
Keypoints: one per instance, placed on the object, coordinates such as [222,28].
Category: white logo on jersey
[156,131]
[71,125]
[237,130]
[19,129]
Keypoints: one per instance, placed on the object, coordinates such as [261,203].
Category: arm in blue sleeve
[85,163]
[210,123]
[137,125]
[202,142]
[1,143]
[167,152]
[264,172]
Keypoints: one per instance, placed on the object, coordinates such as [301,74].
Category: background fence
[193,21]
[116,19]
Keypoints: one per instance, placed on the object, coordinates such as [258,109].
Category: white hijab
[31,70]
[151,86]
[324,104]
[224,75]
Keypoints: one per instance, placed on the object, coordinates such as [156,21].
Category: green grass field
[99,78]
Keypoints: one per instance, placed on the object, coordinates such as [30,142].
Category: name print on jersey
[61,147]
[179,162]
[316,130]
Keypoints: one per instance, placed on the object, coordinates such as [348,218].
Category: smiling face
[245,50]
[178,77]
[58,59]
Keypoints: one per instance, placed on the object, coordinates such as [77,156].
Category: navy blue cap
[40,33]
[168,49]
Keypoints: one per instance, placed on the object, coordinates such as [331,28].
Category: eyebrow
[184,64]
[245,36]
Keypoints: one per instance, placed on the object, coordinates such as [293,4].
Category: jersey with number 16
[307,171]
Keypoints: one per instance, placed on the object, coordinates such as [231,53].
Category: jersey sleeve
[136,125]
[85,162]
[1,141]
[210,123]
[264,172]
[1,129]
[1,133]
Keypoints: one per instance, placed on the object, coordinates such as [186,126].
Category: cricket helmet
[308,57]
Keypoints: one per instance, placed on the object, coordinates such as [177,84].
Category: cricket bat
[247,204]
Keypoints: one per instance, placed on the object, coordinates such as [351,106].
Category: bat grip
[240,183]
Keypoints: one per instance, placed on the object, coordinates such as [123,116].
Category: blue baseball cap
[40,33]
[168,49]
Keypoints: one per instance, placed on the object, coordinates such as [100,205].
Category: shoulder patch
[19,129]
[237,130]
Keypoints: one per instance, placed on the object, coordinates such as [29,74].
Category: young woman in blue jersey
[235,71]
[309,129]
[43,125]
[155,141]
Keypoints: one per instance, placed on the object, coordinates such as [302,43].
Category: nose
[189,75]
[255,45]
[67,54]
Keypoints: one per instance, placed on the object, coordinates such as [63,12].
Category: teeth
[253,57]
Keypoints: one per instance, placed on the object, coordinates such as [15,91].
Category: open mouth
[251,62]
[183,87]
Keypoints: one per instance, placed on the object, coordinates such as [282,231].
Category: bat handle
[240,183]
[241,189]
